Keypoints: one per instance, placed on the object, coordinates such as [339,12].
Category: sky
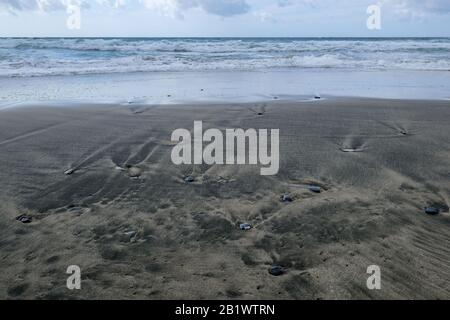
[224,18]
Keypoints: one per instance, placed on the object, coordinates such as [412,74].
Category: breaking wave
[66,56]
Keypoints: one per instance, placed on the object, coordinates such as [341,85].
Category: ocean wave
[64,56]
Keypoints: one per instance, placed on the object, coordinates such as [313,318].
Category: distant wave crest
[63,56]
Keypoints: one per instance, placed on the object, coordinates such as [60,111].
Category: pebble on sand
[24,218]
[134,172]
[276,270]
[286,198]
[69,172]
[432,210]
[315,189]
[351,149]
[245,226]
[130,236]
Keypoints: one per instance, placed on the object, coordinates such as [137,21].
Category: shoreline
[229,86]
[204,103]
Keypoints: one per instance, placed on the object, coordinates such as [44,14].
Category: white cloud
[417,8]
[171,8]
[175,8]
[113,3]
[423,6]
[264,16]
[14,6]
[34,5]
[438,6]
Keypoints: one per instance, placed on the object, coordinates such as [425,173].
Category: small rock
[134,172]
[276,270]
[74,209]
[286,198]
[69,172]
[245,226]
[315,189]
[351,149]
[24,218]
[130,236]
[432,210]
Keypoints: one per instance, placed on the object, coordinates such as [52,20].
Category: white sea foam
[63,56]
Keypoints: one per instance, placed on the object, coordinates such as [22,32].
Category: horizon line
[225,37]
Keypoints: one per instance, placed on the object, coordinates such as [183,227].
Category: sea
[152,69]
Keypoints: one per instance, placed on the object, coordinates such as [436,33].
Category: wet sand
[125,215]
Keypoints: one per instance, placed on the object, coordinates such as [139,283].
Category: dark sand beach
[157,237]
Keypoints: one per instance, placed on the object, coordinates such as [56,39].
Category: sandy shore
[158,237]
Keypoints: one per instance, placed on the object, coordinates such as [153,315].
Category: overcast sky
[229,18]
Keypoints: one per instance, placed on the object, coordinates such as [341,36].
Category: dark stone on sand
[189,179]
[129,236]
[69,172]
[443,207]
[432,210]
[351,149]
[276,270]
[245,226]
[315,189]
[24,218]
[134,172]
[286,198]
[75,210]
